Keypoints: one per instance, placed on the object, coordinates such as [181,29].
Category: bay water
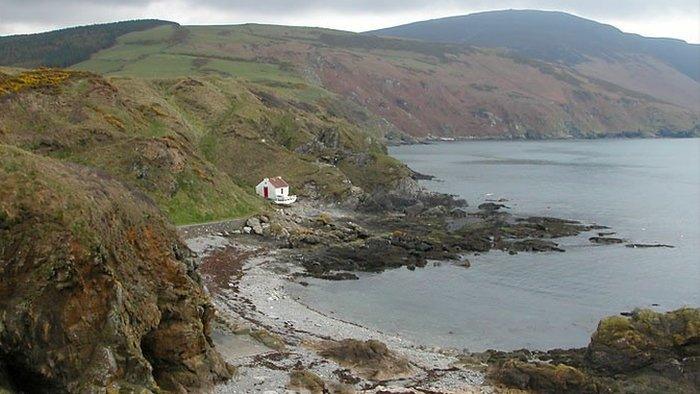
[647,191]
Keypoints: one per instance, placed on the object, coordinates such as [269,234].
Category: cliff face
[96,291]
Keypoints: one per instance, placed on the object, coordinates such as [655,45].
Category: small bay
[647,191]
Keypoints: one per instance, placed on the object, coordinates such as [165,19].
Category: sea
[645,190]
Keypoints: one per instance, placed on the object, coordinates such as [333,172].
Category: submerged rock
[649,246]
[96,291]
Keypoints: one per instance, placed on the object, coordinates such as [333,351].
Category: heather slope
[419,88]
[663,68]
[96,290]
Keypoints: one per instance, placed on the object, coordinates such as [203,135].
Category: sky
[653,18]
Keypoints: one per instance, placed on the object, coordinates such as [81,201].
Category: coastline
[269,335]
[256,301]
[277,343]
[429,140]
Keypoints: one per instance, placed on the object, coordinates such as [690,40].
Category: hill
[62,48]
[593,48]
[197,146]
[419,88]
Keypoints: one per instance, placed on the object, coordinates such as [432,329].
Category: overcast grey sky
[655,18]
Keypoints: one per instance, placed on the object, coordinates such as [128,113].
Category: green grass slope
[196,146]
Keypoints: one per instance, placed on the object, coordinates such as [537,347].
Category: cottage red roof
[278,182]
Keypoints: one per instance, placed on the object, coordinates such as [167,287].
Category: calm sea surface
[648,191]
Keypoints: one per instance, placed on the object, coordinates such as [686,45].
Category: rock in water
[96,290]
[606,240]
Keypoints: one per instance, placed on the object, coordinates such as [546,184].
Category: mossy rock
[306,381]
[544,377]
[622,344]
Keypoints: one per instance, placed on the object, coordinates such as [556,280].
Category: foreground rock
[96,291]
[371,359]
[648,352]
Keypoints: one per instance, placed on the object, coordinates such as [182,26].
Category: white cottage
[275,189]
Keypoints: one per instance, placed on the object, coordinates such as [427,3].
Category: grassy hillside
[416,87]
[196,146]
[65,47]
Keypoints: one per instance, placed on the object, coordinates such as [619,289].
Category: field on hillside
[163,52]
[421,88]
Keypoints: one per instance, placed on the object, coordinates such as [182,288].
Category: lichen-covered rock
[623,344]
[544,377]
[96,290]
[649,352]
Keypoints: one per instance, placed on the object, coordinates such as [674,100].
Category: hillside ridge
[549,36]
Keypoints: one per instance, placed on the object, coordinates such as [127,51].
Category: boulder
[255,225]
[305,381]
[623,344]
[415,209]
[371,359]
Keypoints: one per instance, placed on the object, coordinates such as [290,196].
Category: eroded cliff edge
[96,290]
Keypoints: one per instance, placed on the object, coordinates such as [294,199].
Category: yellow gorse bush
[33,79]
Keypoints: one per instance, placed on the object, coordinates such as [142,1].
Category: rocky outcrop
[647,338]
[648,352]
[96,290]
[414,236]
